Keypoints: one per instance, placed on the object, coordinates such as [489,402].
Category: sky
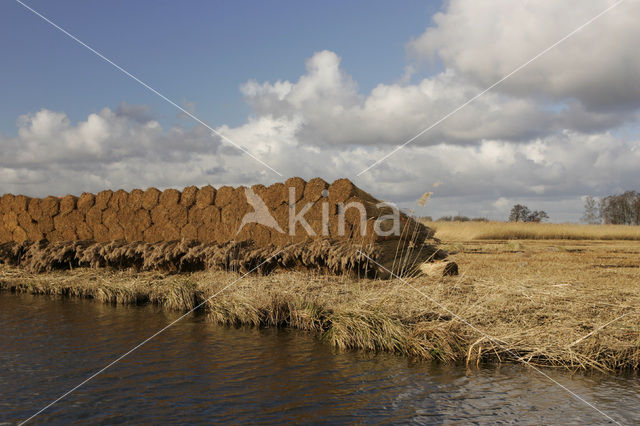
[327,89]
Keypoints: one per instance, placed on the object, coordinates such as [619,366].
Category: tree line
[618,209]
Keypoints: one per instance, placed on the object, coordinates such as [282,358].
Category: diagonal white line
[563,39]
[128,74]
[142,343]
[459,318]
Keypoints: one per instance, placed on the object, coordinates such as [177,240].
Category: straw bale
[50,206]
[170,232]
[150,198]
[277,195]
[314,190]
[45,224]
[210,215]
[189,232]
[118,199]
[83,231]
[188,197]
[224,196]
[298,184]
[178,215]
[207,233]
[53,236]
[206,196]
[134,200]
[101,233]
[6,202]
[102,199]
[86,201]
[169,198]
[195,216]
[5,235]
[343,189]
[35,208]
[19,235]
[153,234]
[24,219]
[159,215]
[68,203]
[10,220]
[20,203]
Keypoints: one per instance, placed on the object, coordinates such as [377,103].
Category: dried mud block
[188,197]
[206,196]
[169,198]
[20,203]
[298,184]
[102,199]
[50,206]
[86,201]
[134,200]
[224,196]
[150,198]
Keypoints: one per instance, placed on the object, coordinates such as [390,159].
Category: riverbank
[572,305]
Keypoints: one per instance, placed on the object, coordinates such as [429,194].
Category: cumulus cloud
[547,137]
[486,40]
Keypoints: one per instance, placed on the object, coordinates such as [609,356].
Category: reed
[541,304]
[466,231]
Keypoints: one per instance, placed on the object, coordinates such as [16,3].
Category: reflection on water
[198,372]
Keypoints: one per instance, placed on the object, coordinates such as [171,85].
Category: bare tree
[519,213]
[591,211]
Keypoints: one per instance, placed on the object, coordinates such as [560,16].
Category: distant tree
[519,213]
[591,211]
[538,216]
[621,209]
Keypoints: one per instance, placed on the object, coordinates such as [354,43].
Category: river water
[198,372]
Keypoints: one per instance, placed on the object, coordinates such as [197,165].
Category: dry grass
[573,305]
[466,231]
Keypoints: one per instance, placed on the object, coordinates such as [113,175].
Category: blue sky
[195,51]
[327,89]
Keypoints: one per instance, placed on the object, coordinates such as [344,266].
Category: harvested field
[567,304]
[472,230]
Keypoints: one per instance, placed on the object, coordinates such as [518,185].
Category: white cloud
[486,40]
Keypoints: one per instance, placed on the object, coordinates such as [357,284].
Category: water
[198,372]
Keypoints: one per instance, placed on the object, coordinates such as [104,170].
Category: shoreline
[370,315]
